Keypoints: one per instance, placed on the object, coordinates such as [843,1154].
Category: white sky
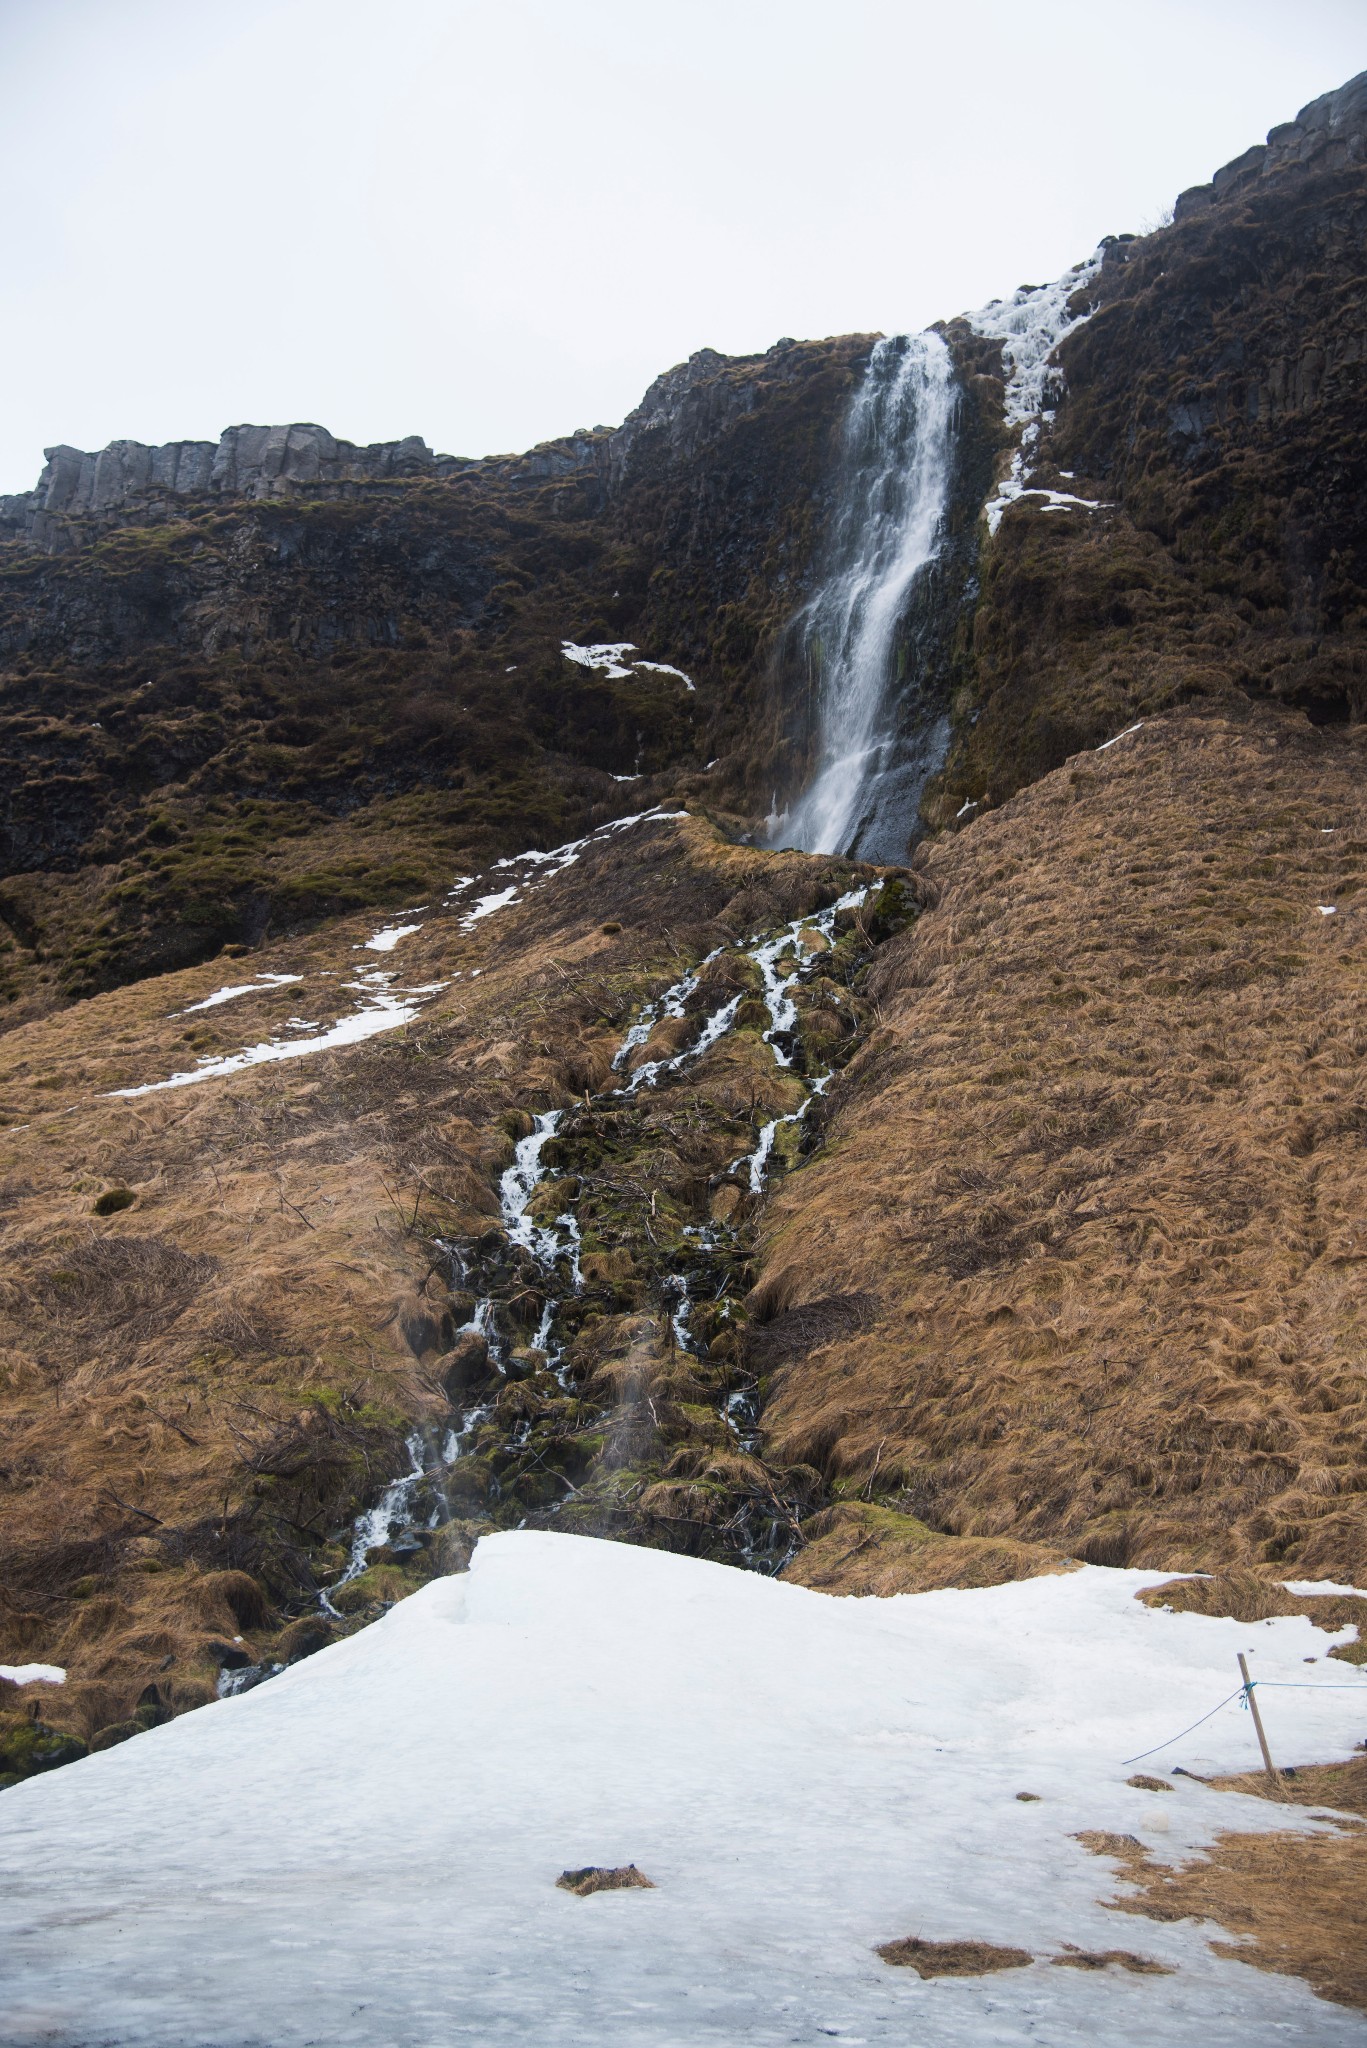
[490,223]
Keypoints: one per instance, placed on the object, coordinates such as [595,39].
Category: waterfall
[895,478]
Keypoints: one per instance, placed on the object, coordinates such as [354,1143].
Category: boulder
[465,1367]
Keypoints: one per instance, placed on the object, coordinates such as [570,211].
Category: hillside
[438,1102]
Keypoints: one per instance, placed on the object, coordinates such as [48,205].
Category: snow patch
[385,941]
[240,988]
[1115,742]
[610,658]
[382,1012]
[33,1674]
[663,668]
[801,1776]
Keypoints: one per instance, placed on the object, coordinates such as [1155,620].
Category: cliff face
[129,482]
[201,683]
[1214,412]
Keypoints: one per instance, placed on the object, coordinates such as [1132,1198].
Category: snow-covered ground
[364,1851]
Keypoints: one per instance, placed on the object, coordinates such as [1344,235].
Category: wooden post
[1268,1765]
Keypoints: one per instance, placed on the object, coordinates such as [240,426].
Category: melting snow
[383,1012]
[663,668]
[386,1008]
[388,939]
[365,1850]
[33,1674]
[485,906]
[241,988]
[555,862]
[609,657]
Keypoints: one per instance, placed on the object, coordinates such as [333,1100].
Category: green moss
[29,1747]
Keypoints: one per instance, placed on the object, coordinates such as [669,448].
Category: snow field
[365,1850]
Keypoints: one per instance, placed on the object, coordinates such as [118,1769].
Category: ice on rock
[1030,327]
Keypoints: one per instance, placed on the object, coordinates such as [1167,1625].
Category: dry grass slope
[1096,1178]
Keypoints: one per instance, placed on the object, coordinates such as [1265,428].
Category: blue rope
[1186,1731]
[1309,1684]
[1281,1684]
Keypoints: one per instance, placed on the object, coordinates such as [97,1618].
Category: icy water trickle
[375,1527]
[552,1241]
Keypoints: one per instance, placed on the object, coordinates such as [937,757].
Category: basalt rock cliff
[427,1105]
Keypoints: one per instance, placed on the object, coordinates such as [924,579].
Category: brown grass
[1298,1903]
[857,1548]
[1244,1596]
[953,1958]
[594,1878]
[216,1377]
[1100,1169]
[1340,1786]
[1107,1958]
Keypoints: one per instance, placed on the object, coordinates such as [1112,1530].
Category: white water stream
[783,960]
[894,490]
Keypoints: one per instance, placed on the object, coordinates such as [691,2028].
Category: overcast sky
[490,223]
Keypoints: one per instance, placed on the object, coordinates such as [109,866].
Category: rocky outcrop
[1330,134]
[691,405]
[129,477]
[686,409]
[1213,416]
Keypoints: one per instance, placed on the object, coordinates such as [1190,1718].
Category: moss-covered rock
[28,1747]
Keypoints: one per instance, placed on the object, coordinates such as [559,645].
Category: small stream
[553,1242]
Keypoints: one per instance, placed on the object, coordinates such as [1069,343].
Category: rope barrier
[1312,1684]
[1186,1731]
[1242,1692]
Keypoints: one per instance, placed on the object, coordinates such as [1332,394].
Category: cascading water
[551,1244]
[896,478]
